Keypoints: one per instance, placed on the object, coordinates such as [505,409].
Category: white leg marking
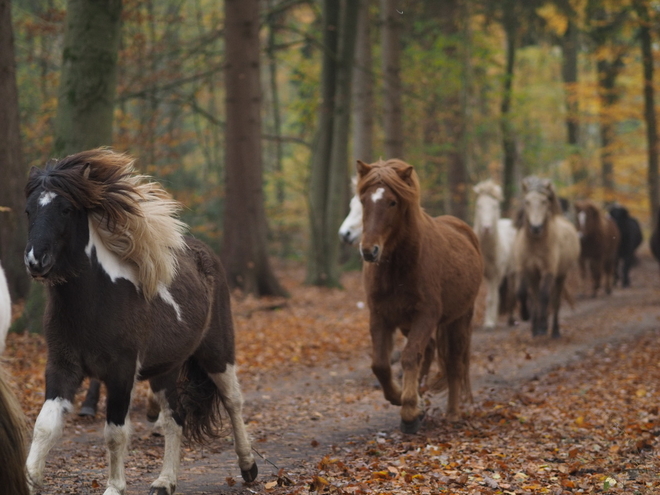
[116,440]
[230,389]
[47,431]
[378,195]
[172,456]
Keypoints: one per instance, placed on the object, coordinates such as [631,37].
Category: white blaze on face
[378,195]
[582,219]
[46,197]
[351,228]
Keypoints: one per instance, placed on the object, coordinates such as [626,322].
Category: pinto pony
[496,237]
[129,298]
[545,249]
[599,244]
[421,275]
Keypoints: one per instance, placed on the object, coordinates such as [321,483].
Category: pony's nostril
[374,251]
[46,259]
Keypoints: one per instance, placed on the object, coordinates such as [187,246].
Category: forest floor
[579,414]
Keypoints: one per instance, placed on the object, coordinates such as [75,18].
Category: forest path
[304,413]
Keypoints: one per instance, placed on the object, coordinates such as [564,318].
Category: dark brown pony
[599,242]
[12,449]
[421,275]
[129,298]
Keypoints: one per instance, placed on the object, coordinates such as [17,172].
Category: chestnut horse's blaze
[421,275]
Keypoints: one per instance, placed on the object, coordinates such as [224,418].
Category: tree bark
[570,78]
[89,75]
[363,96]
[649,107]
[608,71]
[508,142]
[329,170]
[245,230]
[13,226]
[391,62]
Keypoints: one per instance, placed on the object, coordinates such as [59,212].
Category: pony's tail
[199,403]
[12,450]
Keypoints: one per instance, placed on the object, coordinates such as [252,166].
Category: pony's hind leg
[457,342]
[232,398]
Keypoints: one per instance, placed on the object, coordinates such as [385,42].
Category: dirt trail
[298,417]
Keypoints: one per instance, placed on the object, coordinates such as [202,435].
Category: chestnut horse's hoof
[251,474]
[412,427]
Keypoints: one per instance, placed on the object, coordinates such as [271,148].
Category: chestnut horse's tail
[12,450]
[199,403]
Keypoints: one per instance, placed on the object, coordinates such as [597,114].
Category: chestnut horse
[545,249]
[421,275]
[599,242]
[129,298]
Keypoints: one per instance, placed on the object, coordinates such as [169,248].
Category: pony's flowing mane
[388,173]
[134,217]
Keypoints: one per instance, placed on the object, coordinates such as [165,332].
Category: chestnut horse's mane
[388,173]
[134,217]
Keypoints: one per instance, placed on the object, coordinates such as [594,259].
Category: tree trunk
[454,120]
[329,172]
[649,107]
[89,71]
[391,62]
[570,77]
[508,142]
[245,229]
[608,71]
[13,227]
[363,96]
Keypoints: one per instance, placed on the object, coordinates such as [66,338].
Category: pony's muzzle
[371,254]
[38,264]
[536,229]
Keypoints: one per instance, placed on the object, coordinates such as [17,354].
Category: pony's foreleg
[595,266]
[117,433]
[419,338]
[166,482]
[458,337]
[556,303]
[382,342]
[540,320]
[492,302]
[47,431]
[232,398]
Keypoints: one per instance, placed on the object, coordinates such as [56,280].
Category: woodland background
[462,89]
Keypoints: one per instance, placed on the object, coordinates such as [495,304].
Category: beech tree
[13,228]
[391,62]
[88,82]
[244,246]
[328,191]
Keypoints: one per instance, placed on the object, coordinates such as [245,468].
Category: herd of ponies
[131,297]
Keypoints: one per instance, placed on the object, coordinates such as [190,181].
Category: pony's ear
[362,168]
[34,171]
[405,173]
[86,170]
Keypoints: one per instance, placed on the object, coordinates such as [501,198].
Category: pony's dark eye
[67,210]
[392,203]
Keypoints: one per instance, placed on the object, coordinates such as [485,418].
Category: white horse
[350,231]
[496,236]
[5,309]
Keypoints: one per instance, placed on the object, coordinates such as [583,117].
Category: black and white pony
[129,298]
